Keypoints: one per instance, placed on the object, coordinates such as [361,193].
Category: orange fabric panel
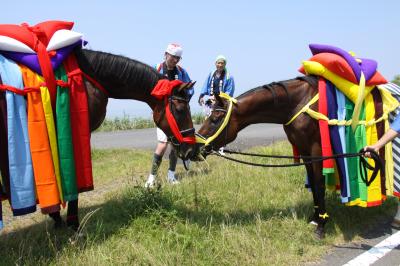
[43,168]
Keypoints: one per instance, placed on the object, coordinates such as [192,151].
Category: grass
[126,122]
[224,214]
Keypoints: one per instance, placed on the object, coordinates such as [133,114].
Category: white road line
[377,252]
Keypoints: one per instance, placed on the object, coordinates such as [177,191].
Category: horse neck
[262,105]
[123,78]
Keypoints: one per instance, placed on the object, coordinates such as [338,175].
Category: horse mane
[117,69]
[310,79]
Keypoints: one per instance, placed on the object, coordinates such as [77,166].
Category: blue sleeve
[204,90]
[396,124]
[230,86]
[186,78]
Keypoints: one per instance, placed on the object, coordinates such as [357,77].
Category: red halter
[163,90]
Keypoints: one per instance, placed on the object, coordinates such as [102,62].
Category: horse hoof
[320,232]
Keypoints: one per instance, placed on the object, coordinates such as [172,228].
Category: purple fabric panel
[322,48]
[32,62]
[368,67]
[335,139]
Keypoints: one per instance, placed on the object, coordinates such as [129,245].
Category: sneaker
[171,178]
[221,151]
[151,181]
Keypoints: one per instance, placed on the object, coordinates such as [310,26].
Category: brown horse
[275,103]
[125,78]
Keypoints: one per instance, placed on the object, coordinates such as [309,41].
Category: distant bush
[198,118]
[126,122]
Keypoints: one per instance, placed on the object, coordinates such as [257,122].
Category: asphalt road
[254,135]
[257,135]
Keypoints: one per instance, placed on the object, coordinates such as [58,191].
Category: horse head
[219,128]
[172,115]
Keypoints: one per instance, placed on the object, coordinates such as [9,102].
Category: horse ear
[218,99]
[185,86]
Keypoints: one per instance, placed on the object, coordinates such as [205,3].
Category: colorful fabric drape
[43,167]
[80,127]
[380,129]
[5,173]
[23,199]
[374,196]
[335,140]
[3,141]
[341,115]
[51,131]
[64,137]
[328,165]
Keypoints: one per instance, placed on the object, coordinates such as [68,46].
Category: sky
[263,41]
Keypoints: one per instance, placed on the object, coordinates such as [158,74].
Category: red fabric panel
[164,88]
[49,27]
[323,125]
[22,34]
[376,79]
[80,125]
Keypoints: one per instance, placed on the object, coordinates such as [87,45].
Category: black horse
[125,78]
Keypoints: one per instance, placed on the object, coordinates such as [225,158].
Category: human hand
[370,148]
[201,100]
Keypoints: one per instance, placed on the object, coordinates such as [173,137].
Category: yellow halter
[207,141]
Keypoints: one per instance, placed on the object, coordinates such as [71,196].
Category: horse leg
[310,176]
[72,215]
[58,221]
[319,187]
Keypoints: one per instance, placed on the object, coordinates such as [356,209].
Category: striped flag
[395,91]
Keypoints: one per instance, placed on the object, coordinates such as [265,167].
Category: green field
[221,214]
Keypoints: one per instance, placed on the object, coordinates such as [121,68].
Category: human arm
[185,78]
[392,133]
[230,86]
[204,91]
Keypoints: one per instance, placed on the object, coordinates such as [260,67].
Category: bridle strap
[163,90]
[174,126]
[207,141]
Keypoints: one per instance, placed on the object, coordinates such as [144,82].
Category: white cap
[174,49]
[220,58]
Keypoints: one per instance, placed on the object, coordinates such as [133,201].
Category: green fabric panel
[352,163]
[361,142]
[64,138]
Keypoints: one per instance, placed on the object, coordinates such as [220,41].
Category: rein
[364,165]
[206,141]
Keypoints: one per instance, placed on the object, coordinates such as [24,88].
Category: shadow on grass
[41,244]
[355,221]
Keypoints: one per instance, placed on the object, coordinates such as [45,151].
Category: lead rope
[364,165]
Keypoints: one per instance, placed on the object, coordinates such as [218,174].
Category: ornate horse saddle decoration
[353,107]
[44,120]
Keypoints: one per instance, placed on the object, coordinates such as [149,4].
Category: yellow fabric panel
[374,190]
[51,130]
[389,104]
